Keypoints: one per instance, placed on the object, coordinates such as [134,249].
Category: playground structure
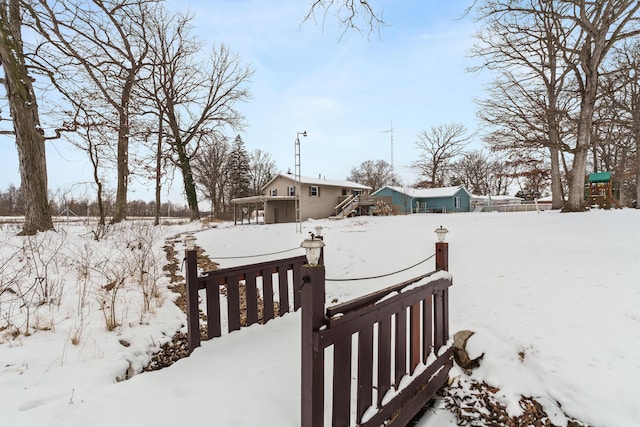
[600,191]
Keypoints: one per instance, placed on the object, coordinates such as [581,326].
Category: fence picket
[342,381]
[214,328]
[267,295]
[414,336]
[283,288]
[427,328]
[297,283]
[401,346]
[365,371]
[384,358]
[251,297]
[233,302]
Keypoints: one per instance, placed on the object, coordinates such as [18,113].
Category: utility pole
[298,186]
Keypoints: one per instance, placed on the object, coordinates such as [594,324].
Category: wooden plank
[427,328]
[445,314]
[365,371]
[371,298]
[422,389]
[337,326]
[414,402]
[297,284]
[192,306]
[265,266]
[414,336]
[438,321]
[267,296]
[214,328]
[401,346]
[251,296]
[389,304]
[384,358]
[233,303]
[342,382]
[283,288]
[312,356]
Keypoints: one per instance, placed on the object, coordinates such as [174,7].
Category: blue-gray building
[417,200]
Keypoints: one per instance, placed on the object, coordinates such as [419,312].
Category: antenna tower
[390,131]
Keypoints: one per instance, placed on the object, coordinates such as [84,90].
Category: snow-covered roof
[426,193]
[495,198]
[321,181]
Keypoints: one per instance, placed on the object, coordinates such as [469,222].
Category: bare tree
[197,98]
[356,15]
[210,170]
[620,106]
[23,106]
[528,104]
[103,42]
[480,174]
[438,148]
[595,28]
[262,167]
[579,35]
[375,174]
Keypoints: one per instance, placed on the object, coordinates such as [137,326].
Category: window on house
[314,191]
[291,191]
[357,192]
[274,192]
[344,191]
[456,201]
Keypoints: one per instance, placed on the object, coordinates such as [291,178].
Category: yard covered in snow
[553,298]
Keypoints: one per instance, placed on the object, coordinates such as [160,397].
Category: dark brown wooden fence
[397,340]
[245,304]
[396,337]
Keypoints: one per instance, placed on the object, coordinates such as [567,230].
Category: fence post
[442,249]
[441,306]
[442,256]
[312,360]
[193,315]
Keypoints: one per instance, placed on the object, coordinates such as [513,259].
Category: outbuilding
[426,200]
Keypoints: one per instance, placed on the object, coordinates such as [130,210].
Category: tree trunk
[557,196]
[187,179]
[120,208]
[26,123]
[583,137]
[158,167]
[637,171]
[120,205]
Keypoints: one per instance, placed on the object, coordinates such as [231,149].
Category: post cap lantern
[190,242]
[441,232]
[313,247]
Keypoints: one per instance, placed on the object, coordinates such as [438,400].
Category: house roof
[320,181]
[426,193]
[495,198]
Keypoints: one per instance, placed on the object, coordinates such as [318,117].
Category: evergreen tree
[239,170]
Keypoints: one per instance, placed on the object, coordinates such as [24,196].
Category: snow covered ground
[554,300]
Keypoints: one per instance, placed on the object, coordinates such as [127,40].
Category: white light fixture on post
[441,232]
[318,233]
[190,242]
[313,247]
[442,249]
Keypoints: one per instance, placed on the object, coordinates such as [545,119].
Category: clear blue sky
[343,93]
